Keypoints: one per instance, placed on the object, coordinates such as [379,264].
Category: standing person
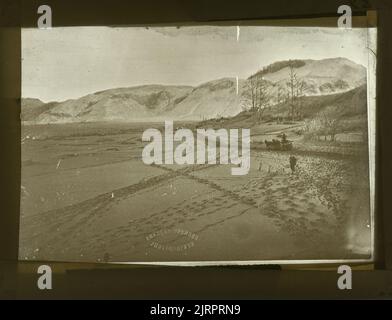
[293,163]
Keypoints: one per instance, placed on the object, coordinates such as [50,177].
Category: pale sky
[67,63]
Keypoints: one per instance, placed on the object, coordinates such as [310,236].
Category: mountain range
[217,98]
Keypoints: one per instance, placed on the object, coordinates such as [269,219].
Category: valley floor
[87,196]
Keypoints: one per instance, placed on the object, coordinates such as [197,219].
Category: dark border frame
[23,13]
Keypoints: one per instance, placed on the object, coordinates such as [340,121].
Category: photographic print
[198,144]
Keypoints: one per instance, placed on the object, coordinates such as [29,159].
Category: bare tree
[311,128]
[325,124]
[280,95]
[296,90]
[301,89]
[263,97]
[292,91]
[249,95]
[256,97]
[330,125]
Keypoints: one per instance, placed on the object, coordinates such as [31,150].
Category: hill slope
[32,108]
[347,104]
[124,104]
[321,76]
[214,99]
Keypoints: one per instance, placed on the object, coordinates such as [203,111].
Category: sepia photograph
[198,145]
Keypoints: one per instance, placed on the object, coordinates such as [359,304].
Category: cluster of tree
[258,95]
[275,67]
[325,124]
[295,89]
